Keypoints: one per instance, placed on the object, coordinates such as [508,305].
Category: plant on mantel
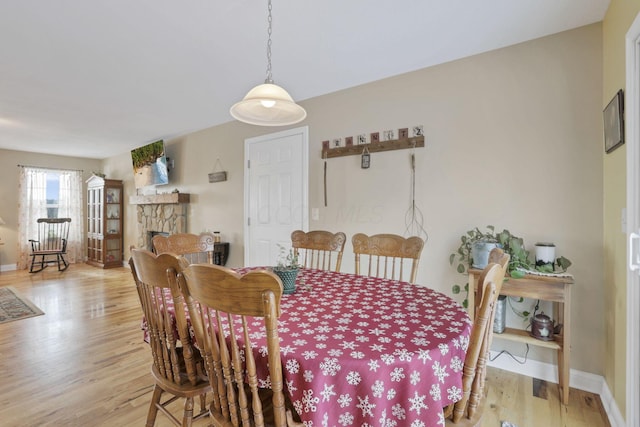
[511,244]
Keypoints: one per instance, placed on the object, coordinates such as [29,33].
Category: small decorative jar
[545,254]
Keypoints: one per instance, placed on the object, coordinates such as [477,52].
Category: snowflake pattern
[327,392]
[353,378]
[352,343]
[344,400]
[377,388]
[417,402]
[435,392]
[454,394]
[365,406]
[440,371]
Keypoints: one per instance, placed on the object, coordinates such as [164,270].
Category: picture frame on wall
[613,116]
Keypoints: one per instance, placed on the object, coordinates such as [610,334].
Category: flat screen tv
[150,165]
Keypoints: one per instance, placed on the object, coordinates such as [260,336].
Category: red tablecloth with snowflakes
[363,351]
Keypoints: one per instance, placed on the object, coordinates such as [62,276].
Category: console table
[547,288]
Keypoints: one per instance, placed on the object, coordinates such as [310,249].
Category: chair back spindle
[385,255]
[319,249]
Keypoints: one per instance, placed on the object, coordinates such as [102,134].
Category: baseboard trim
[577,379]
[7,267]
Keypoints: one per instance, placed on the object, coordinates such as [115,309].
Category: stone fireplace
[163,213]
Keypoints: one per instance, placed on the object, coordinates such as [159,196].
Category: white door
[632,132]
[276,193]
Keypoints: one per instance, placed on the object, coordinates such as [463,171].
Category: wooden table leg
[565,352]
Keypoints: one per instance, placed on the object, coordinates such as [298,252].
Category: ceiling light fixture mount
[268,104]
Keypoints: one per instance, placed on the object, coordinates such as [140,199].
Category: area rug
[14,306]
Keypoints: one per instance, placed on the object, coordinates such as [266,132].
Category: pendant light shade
[268,105]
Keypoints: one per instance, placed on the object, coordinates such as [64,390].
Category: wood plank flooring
[83,363]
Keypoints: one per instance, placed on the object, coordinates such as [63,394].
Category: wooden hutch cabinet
[104,222]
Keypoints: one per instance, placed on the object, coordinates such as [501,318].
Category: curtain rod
[52,169]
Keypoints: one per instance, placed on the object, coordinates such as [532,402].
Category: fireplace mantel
[160,199]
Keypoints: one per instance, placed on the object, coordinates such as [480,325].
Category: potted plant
[470,253]
[287,269]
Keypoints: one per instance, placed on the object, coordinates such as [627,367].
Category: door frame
[304,131]
[632,134]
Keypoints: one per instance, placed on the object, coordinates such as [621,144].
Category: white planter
[545,254]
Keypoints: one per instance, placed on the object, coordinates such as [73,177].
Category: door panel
[276,193]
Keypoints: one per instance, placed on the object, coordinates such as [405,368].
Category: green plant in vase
[287,269]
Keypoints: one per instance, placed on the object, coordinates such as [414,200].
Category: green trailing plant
[513,245]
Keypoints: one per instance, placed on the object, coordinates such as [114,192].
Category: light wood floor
[84,363]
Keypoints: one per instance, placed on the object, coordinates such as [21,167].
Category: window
[50,193]
[53,194]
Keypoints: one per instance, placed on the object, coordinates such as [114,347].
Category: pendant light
[268,104]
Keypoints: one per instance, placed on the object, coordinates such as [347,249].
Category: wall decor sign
[374,142]
[613,116]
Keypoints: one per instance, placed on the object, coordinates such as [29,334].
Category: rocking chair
[52,241]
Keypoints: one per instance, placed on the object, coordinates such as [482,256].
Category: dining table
[364,351]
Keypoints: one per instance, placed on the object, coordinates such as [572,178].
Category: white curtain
[32,204]
[70,206]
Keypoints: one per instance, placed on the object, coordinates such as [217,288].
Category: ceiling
[97,78]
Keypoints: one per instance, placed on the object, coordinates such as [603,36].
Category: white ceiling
[96,78]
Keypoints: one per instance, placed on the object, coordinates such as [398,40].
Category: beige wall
[617,21]
[514,139]
[8,192]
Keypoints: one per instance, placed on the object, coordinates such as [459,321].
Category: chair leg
[34,262]
[188,412]
[203,402]
[153,408]
[64,262]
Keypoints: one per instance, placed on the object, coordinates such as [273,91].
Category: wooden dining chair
[469,409]
[196,248]
[177,369]
[319,249]
[496,256]
[386,255]
[223,307]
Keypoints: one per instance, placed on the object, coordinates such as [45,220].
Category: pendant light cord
[269,78]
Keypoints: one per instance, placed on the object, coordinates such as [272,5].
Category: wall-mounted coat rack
[374,147]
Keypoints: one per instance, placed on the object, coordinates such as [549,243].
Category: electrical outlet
[315,214]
